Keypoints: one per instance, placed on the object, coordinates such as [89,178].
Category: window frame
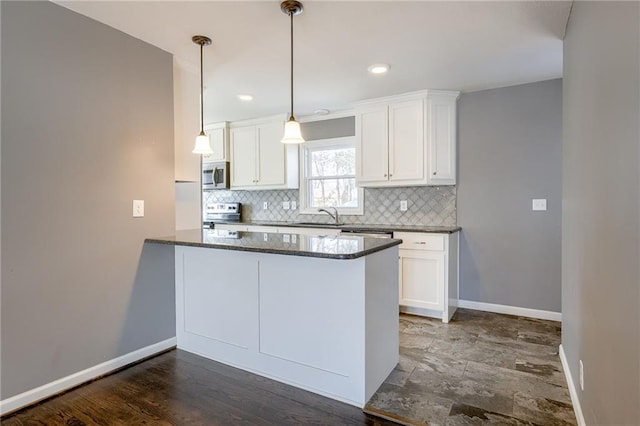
[305,149]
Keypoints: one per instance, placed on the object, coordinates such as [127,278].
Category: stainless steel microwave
[215,175]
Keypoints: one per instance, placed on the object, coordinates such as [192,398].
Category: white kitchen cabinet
[219,139]
[259,160]
[329,326]
[406,140]
[441,116]
[428,274]
[243,157]
[372,160]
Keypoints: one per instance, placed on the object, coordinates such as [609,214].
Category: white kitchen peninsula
[319,313]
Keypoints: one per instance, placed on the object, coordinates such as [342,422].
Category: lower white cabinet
[329,326]
[428,274]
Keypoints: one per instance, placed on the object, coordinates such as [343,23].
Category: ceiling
[465,46]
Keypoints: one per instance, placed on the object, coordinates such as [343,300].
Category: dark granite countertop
[357,227]
[340,247]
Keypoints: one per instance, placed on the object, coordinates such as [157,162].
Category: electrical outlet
[265,205]
[265,236]
[294,205]
[286,205]
[138,208]
[403,205]
[286,238]
[294,238]
[539,205]
[581,376]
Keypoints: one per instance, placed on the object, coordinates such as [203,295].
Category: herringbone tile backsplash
[428,205]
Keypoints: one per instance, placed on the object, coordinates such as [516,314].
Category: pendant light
[292,133]
[202,141]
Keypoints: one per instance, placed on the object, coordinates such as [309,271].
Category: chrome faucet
[334,216]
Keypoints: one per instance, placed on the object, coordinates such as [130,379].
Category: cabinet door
[271,155]
[422,279]
[243,156]
[372,145]
[442,139]
[218,139]
[407,141]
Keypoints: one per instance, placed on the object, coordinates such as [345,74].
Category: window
[328,176]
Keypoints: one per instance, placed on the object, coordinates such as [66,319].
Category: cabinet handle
[420,242]
[434,173]
[390,175]
[385,175]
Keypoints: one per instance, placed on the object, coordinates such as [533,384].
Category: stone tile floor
[481,368]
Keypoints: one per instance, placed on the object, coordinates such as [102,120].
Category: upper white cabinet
[407,140]
[258,159]
[372,162]
[441,116]
[219,139]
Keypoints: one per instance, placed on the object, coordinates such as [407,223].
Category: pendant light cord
[201,92]
[291,117]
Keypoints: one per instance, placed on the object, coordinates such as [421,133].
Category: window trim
[348,141]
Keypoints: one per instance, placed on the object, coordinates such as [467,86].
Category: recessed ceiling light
[378,68]
[245,98]
[321,111]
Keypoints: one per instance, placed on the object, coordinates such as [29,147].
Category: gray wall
[327,129]
[509,152]
[601,213]
[87,126]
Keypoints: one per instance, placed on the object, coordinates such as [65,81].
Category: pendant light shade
[292,133]
[202,147]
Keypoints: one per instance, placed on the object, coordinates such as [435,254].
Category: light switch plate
[138,208]
[286,238]
[286,205]
[294,205]
[539,204]
[403,205]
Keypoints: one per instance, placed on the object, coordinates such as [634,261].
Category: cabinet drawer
[420,241]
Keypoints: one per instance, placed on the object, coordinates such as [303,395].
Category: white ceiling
[463,46]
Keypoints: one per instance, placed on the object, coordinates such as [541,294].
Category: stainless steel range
[221,212]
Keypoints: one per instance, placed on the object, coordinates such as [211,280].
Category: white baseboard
[572,388]
[34,395]
[510,310]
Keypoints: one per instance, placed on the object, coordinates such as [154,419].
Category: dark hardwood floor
[179,388]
